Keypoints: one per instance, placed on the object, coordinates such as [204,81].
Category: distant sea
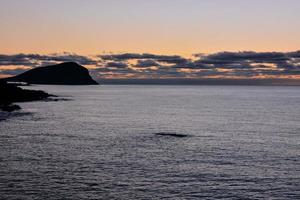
[116,142]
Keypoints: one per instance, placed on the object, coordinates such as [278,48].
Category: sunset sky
[92,28]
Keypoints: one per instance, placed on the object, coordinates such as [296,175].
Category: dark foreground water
[242,143]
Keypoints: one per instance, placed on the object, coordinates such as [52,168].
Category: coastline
[3,115]
[11,94]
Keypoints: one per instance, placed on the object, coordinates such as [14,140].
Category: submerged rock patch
[171,134]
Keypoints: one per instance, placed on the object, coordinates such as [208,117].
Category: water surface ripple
[121,142]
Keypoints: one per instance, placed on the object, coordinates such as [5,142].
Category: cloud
[17,59]
[246,56]
[83,60]
[193,65]
[146,63]
[247,64]
[34,60]
[175,59]
[251,60]
[12,71]
[116,64]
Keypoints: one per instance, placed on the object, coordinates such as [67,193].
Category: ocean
[121,142]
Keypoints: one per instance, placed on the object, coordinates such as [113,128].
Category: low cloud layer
[247,64]
[35,60]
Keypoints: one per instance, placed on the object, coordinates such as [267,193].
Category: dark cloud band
[238,64]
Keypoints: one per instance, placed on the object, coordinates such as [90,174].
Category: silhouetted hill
[69,73]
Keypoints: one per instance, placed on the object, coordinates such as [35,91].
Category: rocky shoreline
[11,94]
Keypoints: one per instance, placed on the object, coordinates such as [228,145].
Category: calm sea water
[243,142]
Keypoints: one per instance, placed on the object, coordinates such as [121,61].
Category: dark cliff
[69,73]
[10,94]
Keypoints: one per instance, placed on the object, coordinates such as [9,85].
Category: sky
[184,28]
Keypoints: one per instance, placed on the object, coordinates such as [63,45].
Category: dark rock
[69,73]
[10,107]
[171,134]
[11,93]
